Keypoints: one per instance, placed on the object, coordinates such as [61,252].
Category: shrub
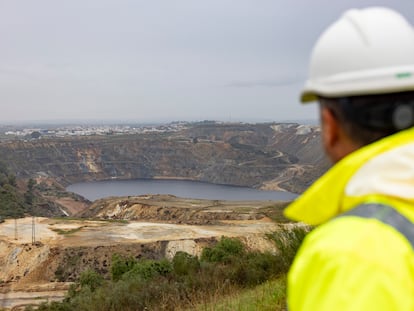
[185,264]
[260,267]
[288,242]
[121,265]
[148,269]
[54,306]
[91,279]
[226,250]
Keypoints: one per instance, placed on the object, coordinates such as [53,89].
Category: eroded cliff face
[267,156]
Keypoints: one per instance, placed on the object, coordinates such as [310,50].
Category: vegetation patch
[14,203]
[275,212]
[67,231]
[269,296]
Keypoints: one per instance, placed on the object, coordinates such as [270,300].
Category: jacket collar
[326,198]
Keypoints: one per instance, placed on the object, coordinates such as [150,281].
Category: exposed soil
[71,206]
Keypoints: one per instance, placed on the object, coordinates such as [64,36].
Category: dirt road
[65,232]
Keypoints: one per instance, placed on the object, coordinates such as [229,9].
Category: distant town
[49,131]
[38,131]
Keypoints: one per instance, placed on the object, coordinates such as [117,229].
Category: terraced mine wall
[267,156]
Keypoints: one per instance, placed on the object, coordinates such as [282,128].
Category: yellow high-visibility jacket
[352,262]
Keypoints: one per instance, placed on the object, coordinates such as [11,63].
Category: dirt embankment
[172,209]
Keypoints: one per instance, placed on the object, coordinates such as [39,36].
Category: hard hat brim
[366,82]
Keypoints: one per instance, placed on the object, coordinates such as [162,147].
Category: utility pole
[33,231]
[15,228]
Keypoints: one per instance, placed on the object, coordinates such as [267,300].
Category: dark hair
[368,118]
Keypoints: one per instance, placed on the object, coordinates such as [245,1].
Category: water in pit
[180,188]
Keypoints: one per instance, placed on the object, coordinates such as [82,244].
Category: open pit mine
[42,253]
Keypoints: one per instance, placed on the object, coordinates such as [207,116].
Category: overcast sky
[161,60]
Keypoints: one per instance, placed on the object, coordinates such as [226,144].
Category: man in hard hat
[360,256]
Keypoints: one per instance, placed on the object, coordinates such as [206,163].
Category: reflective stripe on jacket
[355,263]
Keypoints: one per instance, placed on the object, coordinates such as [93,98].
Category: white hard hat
[367,51]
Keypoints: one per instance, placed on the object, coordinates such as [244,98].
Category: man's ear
[336,141]
[330,133]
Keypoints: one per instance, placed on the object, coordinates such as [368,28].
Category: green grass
[68,231]
[65,218]
[269,296]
